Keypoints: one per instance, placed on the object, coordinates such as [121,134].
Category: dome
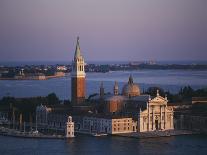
[131,89]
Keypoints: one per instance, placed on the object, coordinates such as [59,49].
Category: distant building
[31,76]
[61,68]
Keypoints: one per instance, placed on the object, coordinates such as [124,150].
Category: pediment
[158,100]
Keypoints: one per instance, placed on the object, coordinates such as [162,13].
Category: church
[149,112]
[121,112]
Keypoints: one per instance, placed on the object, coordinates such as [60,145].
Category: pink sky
[108,29]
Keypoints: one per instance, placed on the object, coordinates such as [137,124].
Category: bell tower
[78,77]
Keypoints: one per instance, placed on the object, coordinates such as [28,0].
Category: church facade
[156,116]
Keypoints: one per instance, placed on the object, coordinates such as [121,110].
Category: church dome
[131,89]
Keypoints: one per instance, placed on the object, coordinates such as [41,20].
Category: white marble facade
[157,115]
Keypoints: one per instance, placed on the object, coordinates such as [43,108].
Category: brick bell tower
[78,77]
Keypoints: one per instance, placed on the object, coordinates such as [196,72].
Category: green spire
[77,50]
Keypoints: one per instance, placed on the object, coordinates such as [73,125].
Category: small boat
[99,134]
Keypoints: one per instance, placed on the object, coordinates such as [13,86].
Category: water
[171,80]
[168,79]
[178,145]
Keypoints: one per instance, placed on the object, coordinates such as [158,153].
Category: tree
[186,92]
[52,99]
[153,91]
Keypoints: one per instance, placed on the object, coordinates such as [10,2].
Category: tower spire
[158,94]
[101,90]
[130,79]
[77,49]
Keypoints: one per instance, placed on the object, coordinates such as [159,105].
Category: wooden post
[13,117]
[30,120]
[20,121]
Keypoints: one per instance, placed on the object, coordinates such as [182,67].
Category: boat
[99,134]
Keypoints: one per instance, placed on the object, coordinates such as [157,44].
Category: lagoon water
[171,80]
[81,145]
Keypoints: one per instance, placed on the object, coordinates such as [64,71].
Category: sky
[109,30]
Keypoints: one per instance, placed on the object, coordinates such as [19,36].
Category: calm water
[171,80]
[189,145]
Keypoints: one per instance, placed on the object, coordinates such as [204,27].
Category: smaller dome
[131,89]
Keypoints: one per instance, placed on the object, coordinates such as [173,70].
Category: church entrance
[156,125]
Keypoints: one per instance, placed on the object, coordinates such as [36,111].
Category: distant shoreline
[42,77]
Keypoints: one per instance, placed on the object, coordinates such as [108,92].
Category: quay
[16,133]
[156,134]
[152,134]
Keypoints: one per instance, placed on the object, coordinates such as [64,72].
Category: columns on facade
[172,121]
[148,117]
[160,117]
[165,118]
[153,118]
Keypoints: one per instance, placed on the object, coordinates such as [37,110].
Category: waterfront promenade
[152,134]
[16,133]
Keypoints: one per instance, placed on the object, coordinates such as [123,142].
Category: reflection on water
[191,144]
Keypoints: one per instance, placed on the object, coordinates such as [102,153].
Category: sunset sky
[109,29]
